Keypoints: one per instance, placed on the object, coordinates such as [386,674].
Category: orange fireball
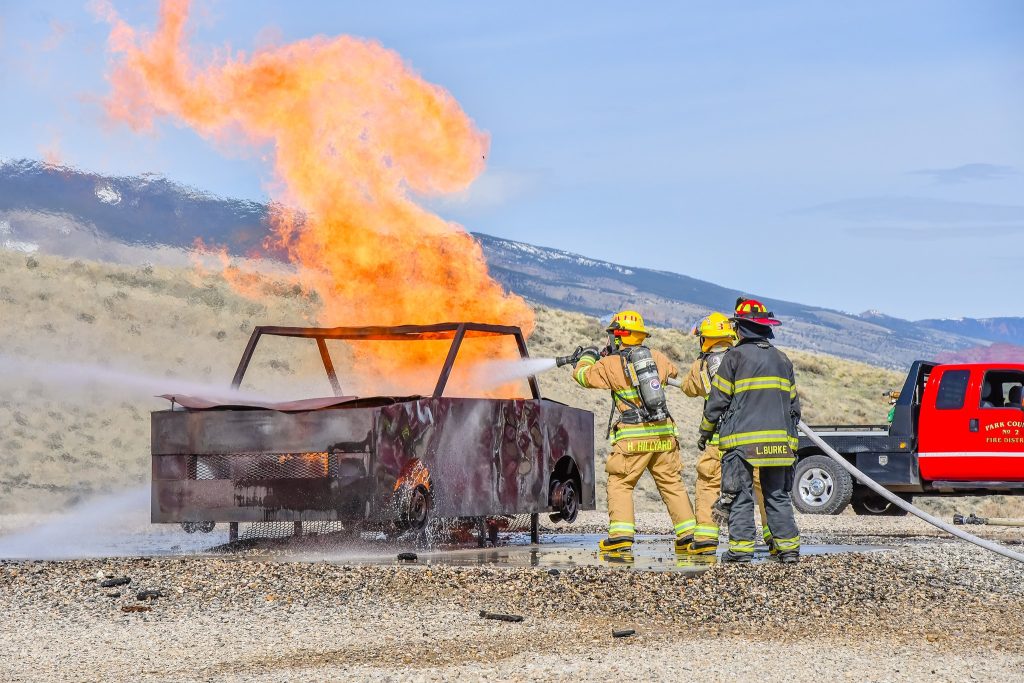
[355,133]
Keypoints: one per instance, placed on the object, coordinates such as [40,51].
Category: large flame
[353,131]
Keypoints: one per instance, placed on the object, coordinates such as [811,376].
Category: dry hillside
[85,346]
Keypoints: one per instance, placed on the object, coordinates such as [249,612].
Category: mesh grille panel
[287,529]
[441,531]
[242,466]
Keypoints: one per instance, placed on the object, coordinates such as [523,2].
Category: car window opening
[1002,389]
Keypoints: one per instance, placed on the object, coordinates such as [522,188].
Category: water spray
[86,376]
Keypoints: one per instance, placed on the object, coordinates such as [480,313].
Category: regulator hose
[896,500]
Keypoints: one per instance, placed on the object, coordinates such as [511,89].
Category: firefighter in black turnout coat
[754,406]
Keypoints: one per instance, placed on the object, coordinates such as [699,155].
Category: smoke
[354,134]
[80,376]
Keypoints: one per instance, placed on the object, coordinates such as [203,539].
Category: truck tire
[821,486]
[867,502]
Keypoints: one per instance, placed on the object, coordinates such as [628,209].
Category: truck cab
[957,429]
[971,424]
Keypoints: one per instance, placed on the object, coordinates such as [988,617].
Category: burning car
[396,461]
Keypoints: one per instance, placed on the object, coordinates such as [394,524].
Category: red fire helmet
[754,311]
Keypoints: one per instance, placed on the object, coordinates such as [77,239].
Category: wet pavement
[556,551]
[134,536]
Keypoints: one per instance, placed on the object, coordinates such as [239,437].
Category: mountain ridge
[46,205]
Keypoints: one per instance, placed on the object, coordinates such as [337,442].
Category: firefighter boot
[616,544]
[789,557]
[704,546]
[683,543]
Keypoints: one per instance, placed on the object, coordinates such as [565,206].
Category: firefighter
[716,335]
[753,406]
[644,435]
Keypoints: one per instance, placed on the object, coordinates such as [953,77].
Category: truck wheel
[867,502]
[821,486]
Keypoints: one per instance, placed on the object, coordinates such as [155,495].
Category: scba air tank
[643,373]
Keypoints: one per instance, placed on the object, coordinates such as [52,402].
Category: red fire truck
[956,430]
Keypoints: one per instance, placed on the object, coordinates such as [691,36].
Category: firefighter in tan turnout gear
[716,335]
[644,435]
[753,406]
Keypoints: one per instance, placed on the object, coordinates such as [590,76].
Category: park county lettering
[1005,431]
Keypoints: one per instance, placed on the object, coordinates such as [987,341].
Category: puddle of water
[556,551]
[131,535]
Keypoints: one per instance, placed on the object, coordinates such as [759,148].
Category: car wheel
[867,502]
[821,486]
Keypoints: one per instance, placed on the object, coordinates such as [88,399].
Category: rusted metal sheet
[200,403]
[202,432]
[346,458]
[484,457]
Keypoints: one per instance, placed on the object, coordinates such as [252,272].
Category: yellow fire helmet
[712,329]
[628,328]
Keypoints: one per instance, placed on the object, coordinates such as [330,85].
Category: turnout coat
[753,404]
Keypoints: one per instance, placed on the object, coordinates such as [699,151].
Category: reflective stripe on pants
[624,471]
[738,479]
[709,487]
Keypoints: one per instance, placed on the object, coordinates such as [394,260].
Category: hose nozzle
[969,519]
[571,359]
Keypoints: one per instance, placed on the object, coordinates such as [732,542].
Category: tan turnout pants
[624,471]
[709,487]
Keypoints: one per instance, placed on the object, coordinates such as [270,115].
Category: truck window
[1002,389]
[952,390]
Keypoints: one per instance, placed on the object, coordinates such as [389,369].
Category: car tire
[867,502]
[821,486]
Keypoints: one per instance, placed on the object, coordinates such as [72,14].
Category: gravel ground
[929,609]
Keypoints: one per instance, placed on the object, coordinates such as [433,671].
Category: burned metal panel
[260,465]
[260,431]
[484,456]
[570,433]
[284,500]
[459,441]
[264,493]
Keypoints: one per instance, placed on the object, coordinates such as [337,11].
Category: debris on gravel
[514,618]
[119,581]
[900,614]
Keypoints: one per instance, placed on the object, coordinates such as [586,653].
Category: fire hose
[896,500]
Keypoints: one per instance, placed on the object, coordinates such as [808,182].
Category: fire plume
[354,134]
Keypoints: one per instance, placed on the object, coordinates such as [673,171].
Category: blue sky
[852,155]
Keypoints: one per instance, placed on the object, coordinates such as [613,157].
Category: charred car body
[399,461]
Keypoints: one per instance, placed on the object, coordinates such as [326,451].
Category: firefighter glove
[590,352]
[702,442]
